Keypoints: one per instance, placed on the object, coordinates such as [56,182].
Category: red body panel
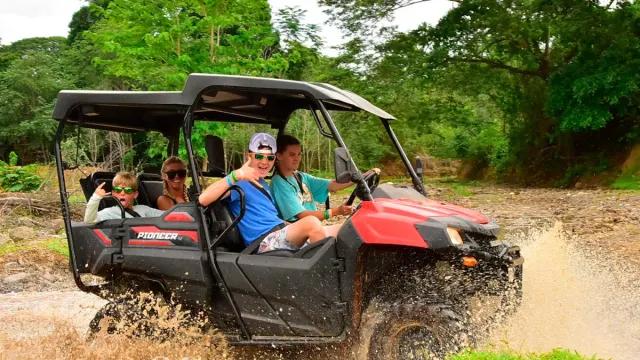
[104,238]
[393,221]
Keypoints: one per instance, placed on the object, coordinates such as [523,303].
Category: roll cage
[212,98]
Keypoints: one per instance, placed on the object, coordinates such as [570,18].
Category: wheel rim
[415,340]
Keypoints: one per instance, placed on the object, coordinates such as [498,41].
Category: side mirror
[343,165]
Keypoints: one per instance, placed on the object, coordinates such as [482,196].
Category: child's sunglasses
[263,156]
[171,174]
[119,189]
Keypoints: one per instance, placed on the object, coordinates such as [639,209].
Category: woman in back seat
[174,190]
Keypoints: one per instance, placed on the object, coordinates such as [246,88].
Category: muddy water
[573,298]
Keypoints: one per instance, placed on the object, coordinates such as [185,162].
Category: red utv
[395,282]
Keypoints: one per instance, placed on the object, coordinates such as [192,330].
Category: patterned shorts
[276,240]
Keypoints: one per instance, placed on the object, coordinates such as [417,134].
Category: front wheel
[410,331]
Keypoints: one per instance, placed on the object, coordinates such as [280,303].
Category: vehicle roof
[217,97]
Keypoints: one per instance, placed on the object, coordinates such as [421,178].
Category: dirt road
[582,251]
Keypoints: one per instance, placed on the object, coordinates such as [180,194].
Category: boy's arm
[91,211]
[213,192]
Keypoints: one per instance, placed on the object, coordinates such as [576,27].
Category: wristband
[233,176]
[228,181]
[327,215]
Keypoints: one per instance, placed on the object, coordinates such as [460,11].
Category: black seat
[232,239]
[91,182]
[149,188]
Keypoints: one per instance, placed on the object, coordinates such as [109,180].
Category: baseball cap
[259,140]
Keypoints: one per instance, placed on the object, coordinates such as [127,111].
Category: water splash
[574,298]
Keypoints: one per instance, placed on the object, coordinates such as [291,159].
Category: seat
[91,182]
[150,188]
[232,239]
[215,154]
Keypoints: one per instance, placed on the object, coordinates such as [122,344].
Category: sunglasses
[263,156]
[171,174]
[126,189]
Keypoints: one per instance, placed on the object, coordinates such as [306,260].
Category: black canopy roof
[216,97]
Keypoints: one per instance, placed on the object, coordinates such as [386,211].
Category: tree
[563,86]
[28,87]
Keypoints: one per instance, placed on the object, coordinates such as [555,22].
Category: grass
[556,354]
[627,182]
[56,245]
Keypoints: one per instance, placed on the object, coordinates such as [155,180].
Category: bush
[14,178]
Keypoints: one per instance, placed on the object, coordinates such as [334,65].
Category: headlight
[454,236]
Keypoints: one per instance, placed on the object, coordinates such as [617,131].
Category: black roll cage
[316,104]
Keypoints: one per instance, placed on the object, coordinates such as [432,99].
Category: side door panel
[304,291]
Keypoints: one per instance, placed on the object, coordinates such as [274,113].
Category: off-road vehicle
[394,283]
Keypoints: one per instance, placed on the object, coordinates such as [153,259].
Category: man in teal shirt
[296,193]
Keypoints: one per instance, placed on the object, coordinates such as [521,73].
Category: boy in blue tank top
[260,221]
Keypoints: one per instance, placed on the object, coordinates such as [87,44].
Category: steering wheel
[372,179]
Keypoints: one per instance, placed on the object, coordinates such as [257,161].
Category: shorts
[276,240]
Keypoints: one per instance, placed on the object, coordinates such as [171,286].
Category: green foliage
[59,246]
[626,182]
[556,354]
[15,178]
[554,90]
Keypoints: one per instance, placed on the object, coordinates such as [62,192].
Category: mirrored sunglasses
[181,174]
[263,156]
[126,189]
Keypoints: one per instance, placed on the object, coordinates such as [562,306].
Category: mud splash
[53,325]
[575,298]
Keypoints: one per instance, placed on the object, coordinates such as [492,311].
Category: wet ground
[582,250]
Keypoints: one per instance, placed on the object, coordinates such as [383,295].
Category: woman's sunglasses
[171,174]
[263,156]
[126,189]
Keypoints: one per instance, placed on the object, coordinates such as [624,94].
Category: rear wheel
[410,331]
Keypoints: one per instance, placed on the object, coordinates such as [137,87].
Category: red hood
[393,221]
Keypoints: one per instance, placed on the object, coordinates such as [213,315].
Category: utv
[395,283]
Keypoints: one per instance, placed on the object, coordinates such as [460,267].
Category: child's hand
[248,173]
[343,209]
[100,191]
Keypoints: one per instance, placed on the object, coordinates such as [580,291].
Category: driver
[295,192]
[125,190]
[260,221]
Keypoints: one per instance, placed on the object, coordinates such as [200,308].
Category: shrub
[14,178]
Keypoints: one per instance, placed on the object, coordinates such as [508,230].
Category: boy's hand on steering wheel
[372,170]
[343,210]
[100,191]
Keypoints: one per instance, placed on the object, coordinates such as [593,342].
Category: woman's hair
[285,140]
[127,179]
[165,189]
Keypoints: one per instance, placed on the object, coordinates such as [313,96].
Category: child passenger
[125,190]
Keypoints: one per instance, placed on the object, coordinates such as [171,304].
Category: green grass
[58,245]
[556,354]
[627,182]
[55,245]
[11,247]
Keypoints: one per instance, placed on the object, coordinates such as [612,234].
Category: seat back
[232,239]
[215,156]
[91,182]
[150,189]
